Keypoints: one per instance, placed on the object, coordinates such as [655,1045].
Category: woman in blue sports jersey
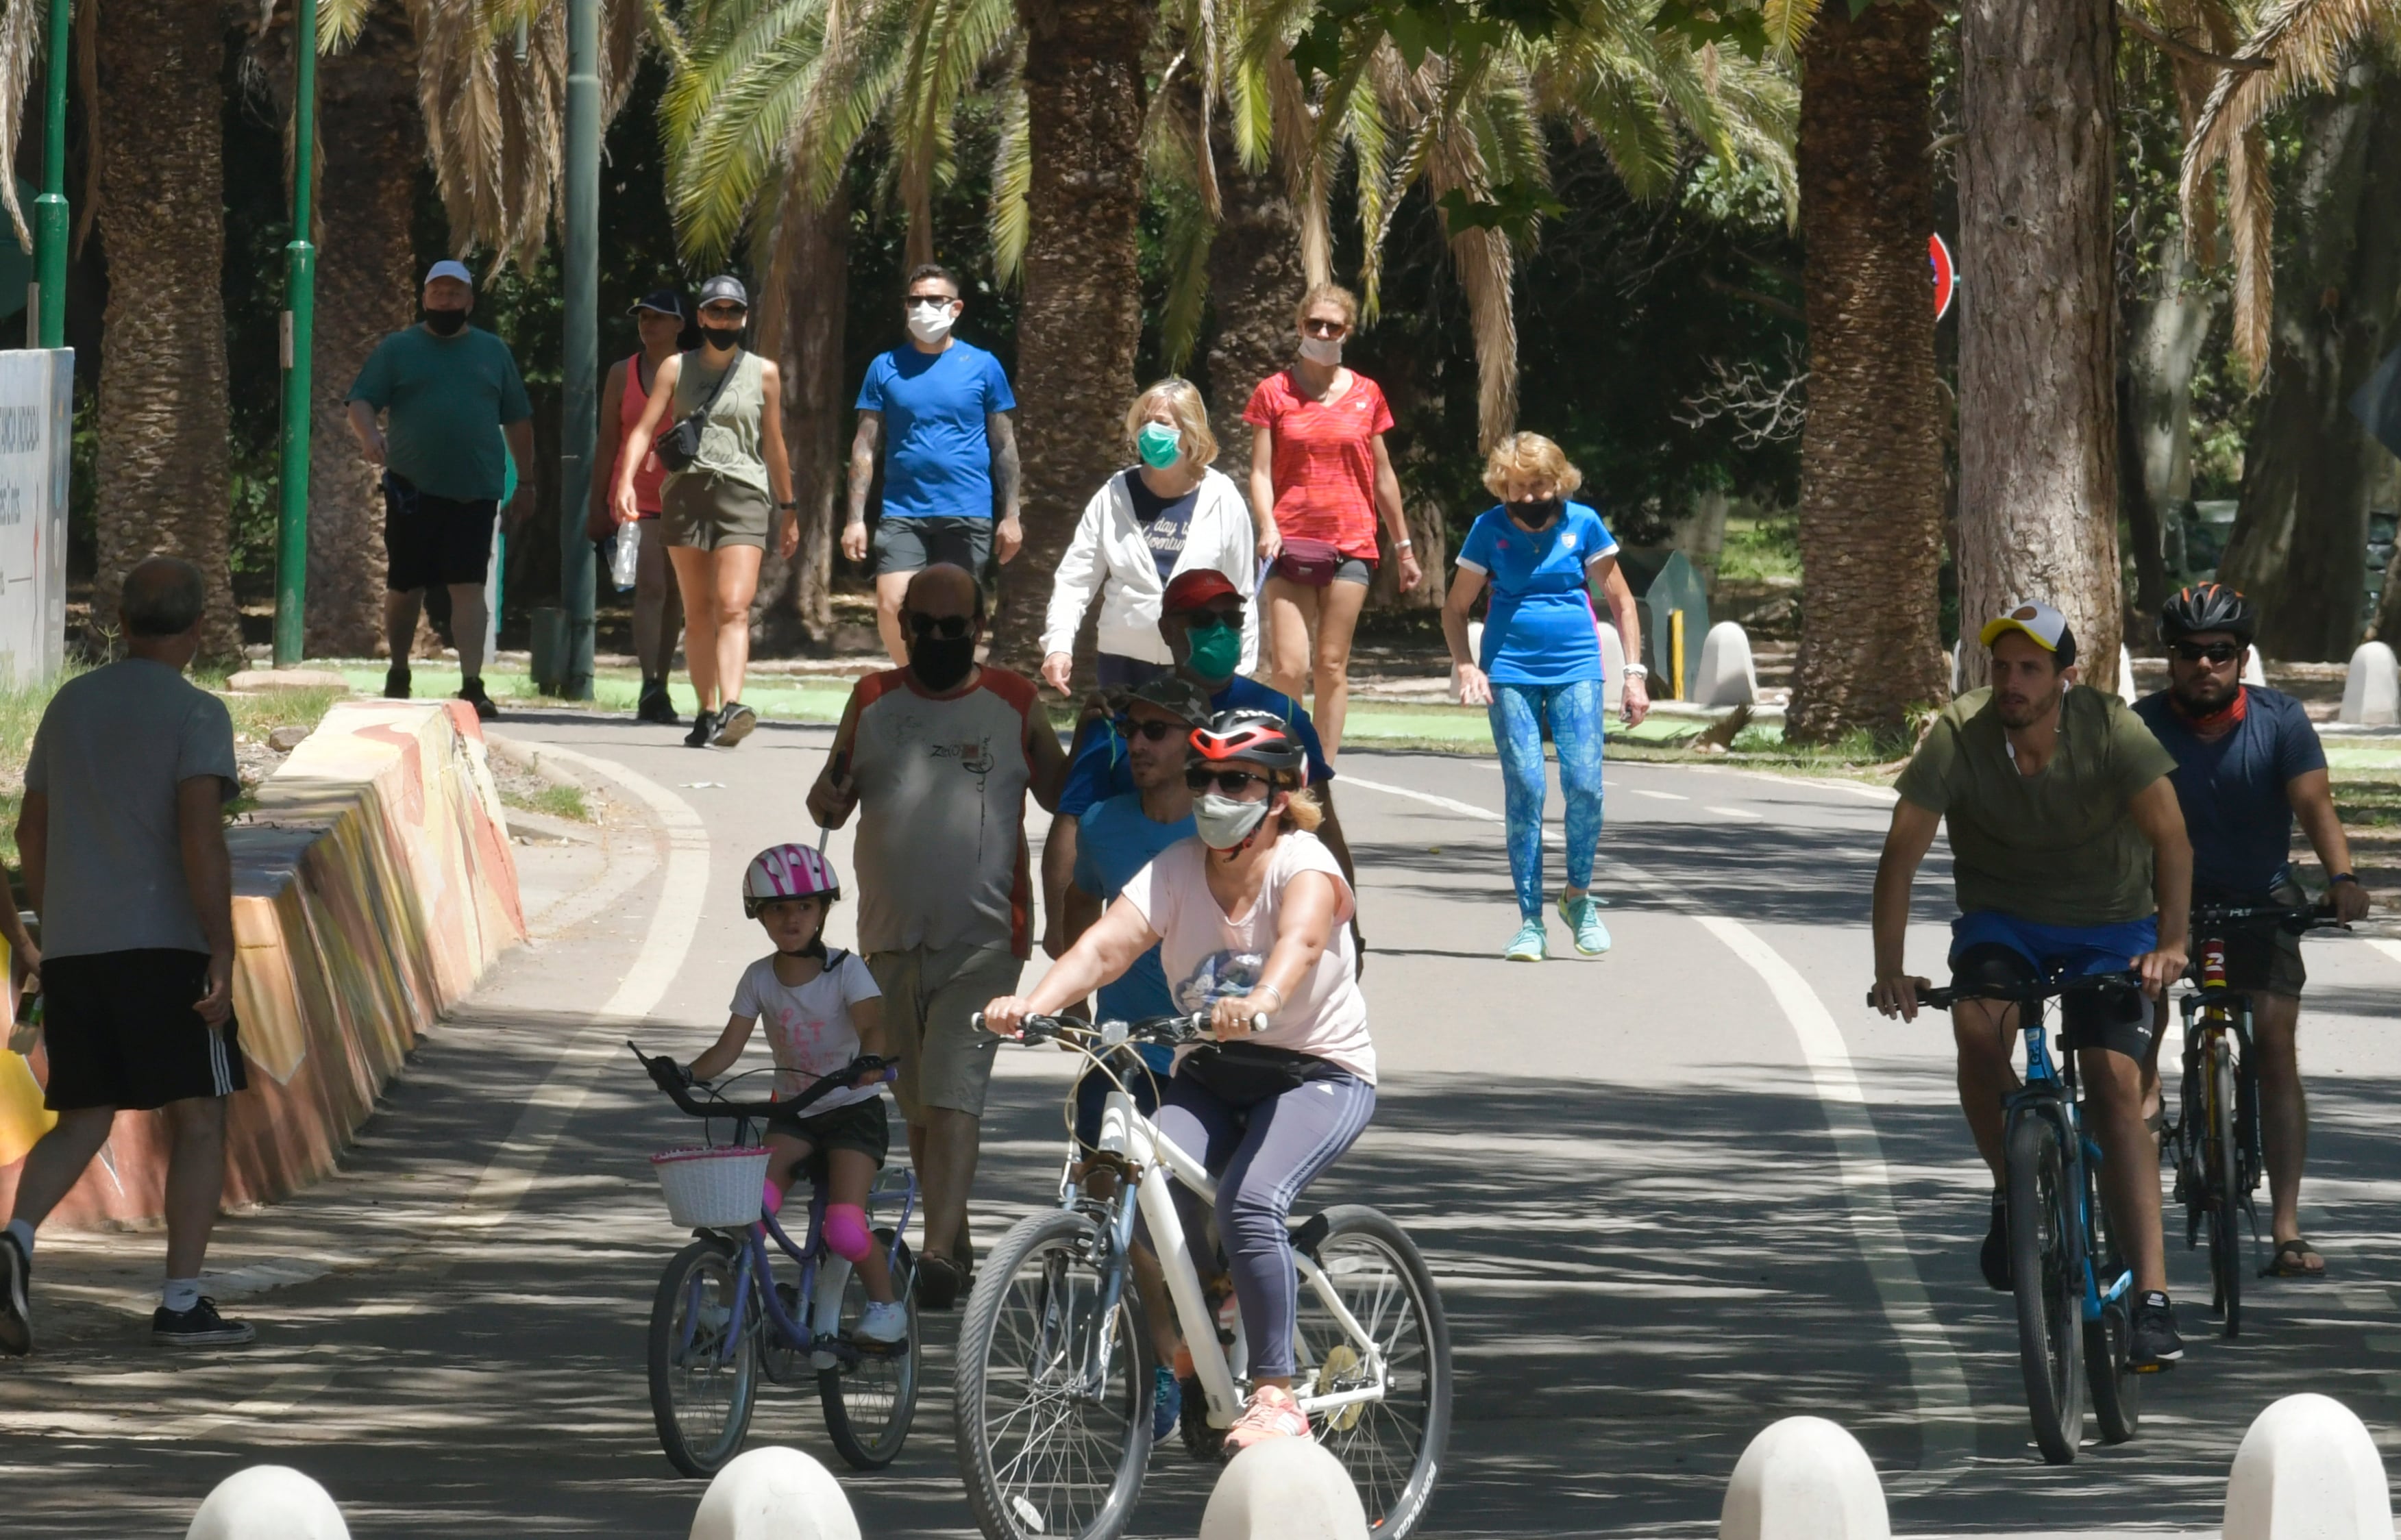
[1540,661]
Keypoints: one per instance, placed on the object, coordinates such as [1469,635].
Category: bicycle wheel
[869,1404]
[2050,1292]
[702,1386]
[2116,1389]
[1392,1447]
[2224,1201]
[1053,1393]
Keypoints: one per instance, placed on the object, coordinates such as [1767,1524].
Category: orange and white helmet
[786,871]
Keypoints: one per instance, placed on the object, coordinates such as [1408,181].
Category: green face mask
[1160,445]
[1217,652]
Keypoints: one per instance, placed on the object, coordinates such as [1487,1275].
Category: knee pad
[771,1197]
[846,1231]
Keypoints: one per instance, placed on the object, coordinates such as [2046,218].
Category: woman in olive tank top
[718,511]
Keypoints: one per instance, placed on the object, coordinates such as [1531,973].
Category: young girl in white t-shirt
[822,1009]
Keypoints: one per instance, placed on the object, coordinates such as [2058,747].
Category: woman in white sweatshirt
[1167,513]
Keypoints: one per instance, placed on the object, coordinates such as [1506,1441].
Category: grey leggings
[1262,1156]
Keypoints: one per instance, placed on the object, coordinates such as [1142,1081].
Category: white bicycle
[1054,1394]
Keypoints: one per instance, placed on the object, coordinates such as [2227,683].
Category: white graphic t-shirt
[809,1028]
[1209,956]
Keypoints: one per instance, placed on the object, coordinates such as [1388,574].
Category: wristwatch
[2342,876]
[1637,671]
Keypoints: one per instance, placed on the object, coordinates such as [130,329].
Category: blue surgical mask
[1161,446]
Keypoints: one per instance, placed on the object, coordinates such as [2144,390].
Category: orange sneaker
[1184,1369]
[1272,1414]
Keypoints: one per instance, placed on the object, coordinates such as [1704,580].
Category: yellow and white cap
[2038,620]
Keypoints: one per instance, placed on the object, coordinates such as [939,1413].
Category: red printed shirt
[1324,465]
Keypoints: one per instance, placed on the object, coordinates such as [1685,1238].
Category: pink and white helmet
[786,871]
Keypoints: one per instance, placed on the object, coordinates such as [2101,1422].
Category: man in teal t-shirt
[455,410]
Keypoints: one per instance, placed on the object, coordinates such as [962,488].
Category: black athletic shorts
[2119,1020]
[120,1031]
[911,545]
[859,1126]
[434,542]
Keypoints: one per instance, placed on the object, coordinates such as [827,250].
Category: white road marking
[1947,1417]
[1740,814]
[1659,796]
[2388,948]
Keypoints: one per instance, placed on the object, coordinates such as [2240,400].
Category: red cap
[1191,589]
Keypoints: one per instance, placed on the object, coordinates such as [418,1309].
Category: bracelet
[2338,876]
[1637,671]
[794,503]
[1404,545]
[1279,993]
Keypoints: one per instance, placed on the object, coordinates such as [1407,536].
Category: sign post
[299,334]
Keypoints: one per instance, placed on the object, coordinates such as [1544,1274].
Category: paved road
[1671,1195]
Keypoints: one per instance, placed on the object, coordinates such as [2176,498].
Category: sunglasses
[1233,783]
[1324,328]
[1151,730]
[1212,620]
[2215,652]
[950,628]
[936,302]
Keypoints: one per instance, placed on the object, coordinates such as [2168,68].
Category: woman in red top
[1320,477]
[658,609]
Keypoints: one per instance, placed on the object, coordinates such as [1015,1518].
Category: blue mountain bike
[721,1319]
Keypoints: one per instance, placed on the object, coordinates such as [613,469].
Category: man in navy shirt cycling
[2247,761]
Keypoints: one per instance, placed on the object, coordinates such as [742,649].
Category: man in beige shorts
[938,758]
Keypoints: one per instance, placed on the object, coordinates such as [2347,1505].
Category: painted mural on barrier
[373,886]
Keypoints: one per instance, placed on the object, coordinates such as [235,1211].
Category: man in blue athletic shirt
[940,407]
[2247,761]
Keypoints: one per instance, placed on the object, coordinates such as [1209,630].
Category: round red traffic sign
[1946,276]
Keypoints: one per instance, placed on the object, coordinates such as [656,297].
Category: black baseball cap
[725,286]
[667,301]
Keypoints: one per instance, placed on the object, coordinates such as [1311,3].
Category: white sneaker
[883,1323]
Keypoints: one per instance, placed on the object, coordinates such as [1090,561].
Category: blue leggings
[1575,712]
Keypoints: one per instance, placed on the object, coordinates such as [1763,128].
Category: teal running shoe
[1583,915]
[1166,1402]
[1530,944]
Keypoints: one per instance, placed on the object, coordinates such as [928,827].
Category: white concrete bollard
[1728,676]
[2308,1469]
[2126,690]
[1804,1479]
[775,1494]
[2254,670]
[2371,688]
[1474,649]
[1285,1489]
[268,1503]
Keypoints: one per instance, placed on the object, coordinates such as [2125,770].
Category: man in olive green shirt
[2069,854]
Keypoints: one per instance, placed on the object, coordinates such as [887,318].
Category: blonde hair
[1191,415]
[1303,811]
[1528,456]
[1317,295]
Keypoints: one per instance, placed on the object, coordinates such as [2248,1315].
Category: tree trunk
[164,475]
[796,598]
[1082,313]
[2165,337]
[373,143]
[1871,450]
[2299,547]
[1255,282]
[2038,332]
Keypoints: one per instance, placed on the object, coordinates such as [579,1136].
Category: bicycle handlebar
[2024,994]
[678,1083]
[2210,919]
[1169,1031]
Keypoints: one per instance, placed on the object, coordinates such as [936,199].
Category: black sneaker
[656,705]
[472,691]
[704,723]
[198,1326]
[2153,1344]
[734,724]
[16,1314]
[396,682]
[1995,1258]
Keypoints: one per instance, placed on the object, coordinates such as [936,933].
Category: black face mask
[1535,514]
[446,323]
[940,662]
[723,338]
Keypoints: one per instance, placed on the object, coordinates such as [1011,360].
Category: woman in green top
[717,512]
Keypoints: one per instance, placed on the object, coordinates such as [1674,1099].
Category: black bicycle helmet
[2208,606]
[1252,738]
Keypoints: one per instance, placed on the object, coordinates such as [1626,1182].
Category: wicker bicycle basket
[712,1189]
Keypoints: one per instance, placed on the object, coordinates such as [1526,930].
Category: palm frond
[23,24]
[337,23]
[1009,219]
[2251,209]
[1788,23]
[2306,43]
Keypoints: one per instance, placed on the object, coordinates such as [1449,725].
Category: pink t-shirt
[809,1028]
[1209,956]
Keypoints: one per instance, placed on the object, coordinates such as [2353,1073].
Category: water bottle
[627,555]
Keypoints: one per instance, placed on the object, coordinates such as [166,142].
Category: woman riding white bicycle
[1251,917]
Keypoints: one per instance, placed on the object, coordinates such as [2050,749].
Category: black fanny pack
[679,447]
[1248,1073]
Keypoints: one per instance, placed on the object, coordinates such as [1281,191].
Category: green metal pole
[580,357]
[49,324]
[299,329]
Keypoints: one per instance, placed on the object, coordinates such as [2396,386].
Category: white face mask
[1325,350]
[1224,821]
[928,323]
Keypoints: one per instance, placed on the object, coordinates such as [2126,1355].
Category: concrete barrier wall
[373,886]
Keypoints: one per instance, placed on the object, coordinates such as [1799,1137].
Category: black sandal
[939,1281]
[2287,1263]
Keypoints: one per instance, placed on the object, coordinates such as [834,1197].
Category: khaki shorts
[709,511]
[929,995]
